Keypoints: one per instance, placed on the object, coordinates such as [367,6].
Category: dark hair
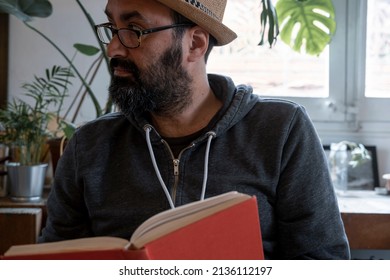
[179,32]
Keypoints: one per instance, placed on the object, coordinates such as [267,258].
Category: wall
[29,55]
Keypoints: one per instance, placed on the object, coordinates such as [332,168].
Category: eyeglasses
[129,37]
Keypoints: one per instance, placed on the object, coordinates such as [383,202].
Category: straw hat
[208,14]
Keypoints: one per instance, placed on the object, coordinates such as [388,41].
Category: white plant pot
[26,181]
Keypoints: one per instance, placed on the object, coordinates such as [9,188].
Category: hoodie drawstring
[211,135]
[147,130]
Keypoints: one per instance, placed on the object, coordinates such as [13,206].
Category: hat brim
[223,34]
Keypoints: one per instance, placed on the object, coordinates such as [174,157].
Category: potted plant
[24,129]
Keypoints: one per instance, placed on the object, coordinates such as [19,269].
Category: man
[177,122]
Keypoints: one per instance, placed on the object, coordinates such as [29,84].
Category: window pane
[378,49]
[276,71]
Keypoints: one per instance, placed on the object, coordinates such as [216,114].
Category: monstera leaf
[26,9]
[306,25]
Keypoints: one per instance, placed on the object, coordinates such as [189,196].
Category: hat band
[202,7]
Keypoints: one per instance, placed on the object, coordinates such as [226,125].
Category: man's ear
[197,43]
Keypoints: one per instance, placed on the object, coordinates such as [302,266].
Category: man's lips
[122,72]
[123,68]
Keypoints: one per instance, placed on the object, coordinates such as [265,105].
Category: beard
[162,88]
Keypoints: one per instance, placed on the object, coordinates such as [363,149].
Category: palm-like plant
[24,124]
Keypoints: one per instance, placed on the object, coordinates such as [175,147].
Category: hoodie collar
[237,102]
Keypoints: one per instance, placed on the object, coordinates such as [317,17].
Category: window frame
[347,109]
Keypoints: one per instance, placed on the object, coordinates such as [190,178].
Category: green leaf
[12,8]
[36,8]
[306,26]
[86,49]
[25,10]
[268,19]
[68,128]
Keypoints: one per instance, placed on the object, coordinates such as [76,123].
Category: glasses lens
[105,34]
[129,38]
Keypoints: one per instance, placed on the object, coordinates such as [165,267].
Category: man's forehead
[125,16]
[135,9]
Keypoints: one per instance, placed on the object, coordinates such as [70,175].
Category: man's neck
[194,118]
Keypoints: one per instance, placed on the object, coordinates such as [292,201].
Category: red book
[218,228]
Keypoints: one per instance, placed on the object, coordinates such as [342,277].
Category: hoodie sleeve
[309,221]
[67,213]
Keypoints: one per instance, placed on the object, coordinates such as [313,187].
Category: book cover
[220,228]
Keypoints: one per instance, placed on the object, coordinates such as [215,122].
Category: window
[276,71]
[346,87]
[373,54]
[378,49]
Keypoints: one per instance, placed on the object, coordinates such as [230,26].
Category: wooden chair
[19,226]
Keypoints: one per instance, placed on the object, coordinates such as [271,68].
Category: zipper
[176,163]
[176,168]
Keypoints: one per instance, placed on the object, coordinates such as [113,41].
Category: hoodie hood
[237,101]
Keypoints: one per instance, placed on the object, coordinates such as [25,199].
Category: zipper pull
[176,167]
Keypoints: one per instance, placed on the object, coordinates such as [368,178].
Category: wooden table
[366,217]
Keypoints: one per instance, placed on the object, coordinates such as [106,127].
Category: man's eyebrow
[126,16]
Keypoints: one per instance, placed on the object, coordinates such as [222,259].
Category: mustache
[125,64]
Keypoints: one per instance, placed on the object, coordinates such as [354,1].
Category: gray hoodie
[114,170]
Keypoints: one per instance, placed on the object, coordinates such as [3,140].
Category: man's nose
[115,48]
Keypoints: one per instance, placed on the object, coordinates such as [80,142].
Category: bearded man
[182,135]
